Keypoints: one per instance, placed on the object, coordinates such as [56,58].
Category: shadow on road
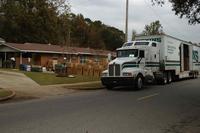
[148,86]
[130,88]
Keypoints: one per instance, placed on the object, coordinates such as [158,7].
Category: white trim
[11,47]
[50,52]
[82,53]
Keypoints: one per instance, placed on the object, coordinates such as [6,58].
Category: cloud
[141,12]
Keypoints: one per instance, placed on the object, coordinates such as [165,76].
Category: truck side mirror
[141,54]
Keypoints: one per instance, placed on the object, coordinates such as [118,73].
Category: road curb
[72,84]
[88,88]
[8,97]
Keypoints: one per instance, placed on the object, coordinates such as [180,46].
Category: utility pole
[126,26]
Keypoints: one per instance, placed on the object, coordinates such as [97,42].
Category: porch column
[21,62]
[5,56]
[70,60]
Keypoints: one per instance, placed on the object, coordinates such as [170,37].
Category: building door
[184,52]
[186,57]
[55,62]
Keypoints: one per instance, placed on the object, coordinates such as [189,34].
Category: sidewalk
[24,86]
[74,84]
[19,83]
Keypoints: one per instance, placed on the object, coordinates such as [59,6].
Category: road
[172,108]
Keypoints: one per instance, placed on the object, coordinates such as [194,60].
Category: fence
[86,69]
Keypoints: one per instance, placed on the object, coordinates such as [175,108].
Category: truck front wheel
[139,82]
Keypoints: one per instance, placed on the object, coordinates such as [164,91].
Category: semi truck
[152,59]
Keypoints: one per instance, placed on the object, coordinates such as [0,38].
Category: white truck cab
[135,63]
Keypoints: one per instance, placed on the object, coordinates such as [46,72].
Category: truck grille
[117,70]
[111,70]
[114,70]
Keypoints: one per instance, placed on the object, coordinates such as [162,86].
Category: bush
[22,67]
[60,70]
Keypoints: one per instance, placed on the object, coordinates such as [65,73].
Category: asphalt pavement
[171,108]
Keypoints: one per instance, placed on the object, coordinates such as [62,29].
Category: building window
[83,59]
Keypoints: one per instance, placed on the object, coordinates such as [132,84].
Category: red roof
[47,48]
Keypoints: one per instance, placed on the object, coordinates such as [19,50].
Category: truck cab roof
[138,44]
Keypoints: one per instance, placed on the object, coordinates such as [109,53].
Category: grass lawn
[4,93]
[51,79]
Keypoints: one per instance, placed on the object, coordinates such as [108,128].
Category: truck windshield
[127,53]
[141,43]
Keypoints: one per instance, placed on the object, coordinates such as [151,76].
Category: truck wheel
[139,82]
[169,77]
[196,75]
[164,80]
[193,76]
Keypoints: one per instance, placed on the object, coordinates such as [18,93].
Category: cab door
[141,61]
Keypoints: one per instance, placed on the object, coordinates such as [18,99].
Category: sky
[141,13]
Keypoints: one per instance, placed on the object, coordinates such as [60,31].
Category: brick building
[47,55]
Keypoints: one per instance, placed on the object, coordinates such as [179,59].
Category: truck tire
[193,75]
[196,75]
[169,77]
[164,79]
[139,82]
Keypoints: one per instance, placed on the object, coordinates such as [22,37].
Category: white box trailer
[176,55]
[160,58]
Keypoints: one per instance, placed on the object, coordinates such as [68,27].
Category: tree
[79,30]
[51,21]
[94,34]
[112,37]
[134,34]
[30,21]
[155,28]
[62,6]
[64,30]
[185,8]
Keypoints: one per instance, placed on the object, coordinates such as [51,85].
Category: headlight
[126,74]
[104,74]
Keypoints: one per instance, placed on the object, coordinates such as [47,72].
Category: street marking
[147,97]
